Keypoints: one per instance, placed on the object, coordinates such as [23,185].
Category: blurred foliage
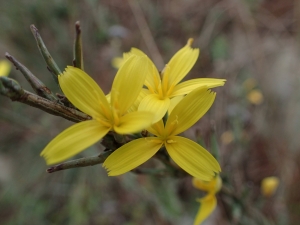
[239,41]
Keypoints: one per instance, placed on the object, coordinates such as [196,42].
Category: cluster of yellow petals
[162,88]
[187,154]
[84,93]
[140,97]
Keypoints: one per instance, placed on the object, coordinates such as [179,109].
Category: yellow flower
[4,68]
[255,97]
[227,137]
[209,202]
[84,93]
[190,156]
[269,186]
[161,89]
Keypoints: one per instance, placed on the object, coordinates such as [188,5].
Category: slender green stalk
[78,56]
[51,65]
[38,86]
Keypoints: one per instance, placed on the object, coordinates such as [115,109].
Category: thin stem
[51,65]
[94,160]
[146,32]
[78,56]
[38,86]
[83,162]
[12,89]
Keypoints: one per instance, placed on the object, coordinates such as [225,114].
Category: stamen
[105,112]
[116,117]
[165,78]
[156,79]
[173,125]
[150,88]
[154,140]
[160,92]
[170,90]
[170,141]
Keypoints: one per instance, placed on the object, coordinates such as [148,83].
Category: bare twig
[38,86]
[83,162]
[12,89]
[78,56]
[94,160]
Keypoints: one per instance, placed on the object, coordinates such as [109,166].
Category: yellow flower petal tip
[5,68]
[117,62]
[190,42]
[209,202]
[212,186]
[269,186]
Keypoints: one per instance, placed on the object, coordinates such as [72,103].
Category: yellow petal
[73,140]
[136,51]
[128,83]
[179,66]
[190,85]
[131,155]
[153,80]
[152,77]
[84,93]
[192,158]
[212,186]
[144,92]
[174,102]
[152,103]
[207,206]
[133,52]
[5,68]
[133,122]
[157,129]
[108,97]
[189,110]
[117,62]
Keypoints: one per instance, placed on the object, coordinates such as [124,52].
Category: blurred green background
[254,123]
